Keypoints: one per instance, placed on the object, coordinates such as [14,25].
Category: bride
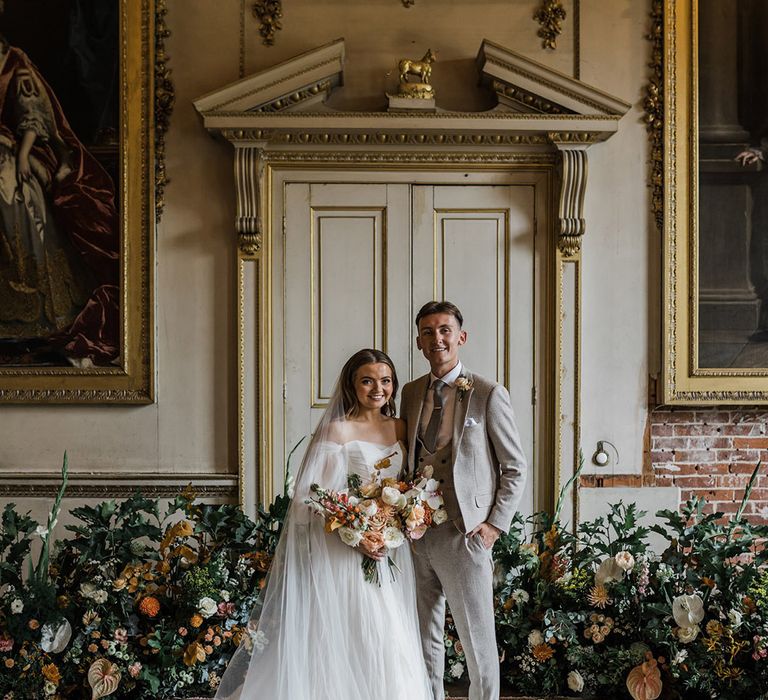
[320,631]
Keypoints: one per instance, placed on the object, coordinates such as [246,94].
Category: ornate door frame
[277,120]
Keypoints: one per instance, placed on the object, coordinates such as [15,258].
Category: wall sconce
[600,457]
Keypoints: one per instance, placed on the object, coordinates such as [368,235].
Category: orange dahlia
[542,652]
[149,606]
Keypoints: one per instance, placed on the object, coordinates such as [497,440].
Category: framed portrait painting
[715,201]
[77,200]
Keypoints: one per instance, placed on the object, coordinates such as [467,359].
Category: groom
[462,426]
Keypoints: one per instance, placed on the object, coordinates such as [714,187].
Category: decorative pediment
[524,86]
[281,114]
[300,83]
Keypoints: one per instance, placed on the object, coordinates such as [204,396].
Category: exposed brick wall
[710,453]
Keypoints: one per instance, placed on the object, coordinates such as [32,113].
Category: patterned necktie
[433,427]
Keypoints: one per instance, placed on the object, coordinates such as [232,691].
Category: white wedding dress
[323,632]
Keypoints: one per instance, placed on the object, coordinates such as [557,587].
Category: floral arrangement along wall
[146,604]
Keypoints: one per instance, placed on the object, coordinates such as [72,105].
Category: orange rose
[33,624]
[193,654]
[149,606]
[9,663]
[93,648]
[196,620]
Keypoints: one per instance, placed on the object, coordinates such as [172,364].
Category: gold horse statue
[421,69]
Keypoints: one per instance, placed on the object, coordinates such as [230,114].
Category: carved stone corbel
[573,184]
[249,167]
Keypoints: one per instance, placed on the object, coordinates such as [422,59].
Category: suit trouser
[451,566]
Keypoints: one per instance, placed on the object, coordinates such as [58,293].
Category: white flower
[99,596]
[664,572]
[207,606]
[41,531]
[55,637]
[224,595]
[735,618]
[393,537]
[428,471]
[688,610]
[625,561]
[17,606]
[50,688]
[369,508]
[392,497]
[535,638]
[440,516]
[678,658]
[349,537]
[520,595]
[608,571]
[457,669]
[431,494]
[575,682]
[88,589]
[687,634]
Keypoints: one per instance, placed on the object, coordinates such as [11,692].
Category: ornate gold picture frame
[715,219]
[76,241]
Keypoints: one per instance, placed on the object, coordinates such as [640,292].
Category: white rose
[393,537]
[17,606]
[207,606]
[535,638]
[392,497]
[369,508]
[457,669]
[520,596]
[99,597]
[608,571]
[349,537]
[687,634]
[575,682]
[50,688]
[440,516]
[55,637]
[688,610]
[735,618]
[625,561]
[224,595]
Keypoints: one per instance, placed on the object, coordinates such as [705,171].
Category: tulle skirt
[324,633]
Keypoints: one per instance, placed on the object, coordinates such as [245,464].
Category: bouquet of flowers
[381,513]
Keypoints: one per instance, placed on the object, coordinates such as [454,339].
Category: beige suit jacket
[489,466]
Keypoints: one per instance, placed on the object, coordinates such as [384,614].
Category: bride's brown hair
[367,356]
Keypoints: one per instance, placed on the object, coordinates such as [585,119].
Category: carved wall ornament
[550,17]
[165,97]
[654,112]
[270,15]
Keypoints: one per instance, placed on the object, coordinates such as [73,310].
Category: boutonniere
[463,385]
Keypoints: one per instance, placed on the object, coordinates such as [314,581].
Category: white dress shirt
[445,434]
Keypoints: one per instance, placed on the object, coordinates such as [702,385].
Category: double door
[357,261]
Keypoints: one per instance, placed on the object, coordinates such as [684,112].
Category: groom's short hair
[439,307]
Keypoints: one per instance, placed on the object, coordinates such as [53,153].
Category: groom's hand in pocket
[488,534]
